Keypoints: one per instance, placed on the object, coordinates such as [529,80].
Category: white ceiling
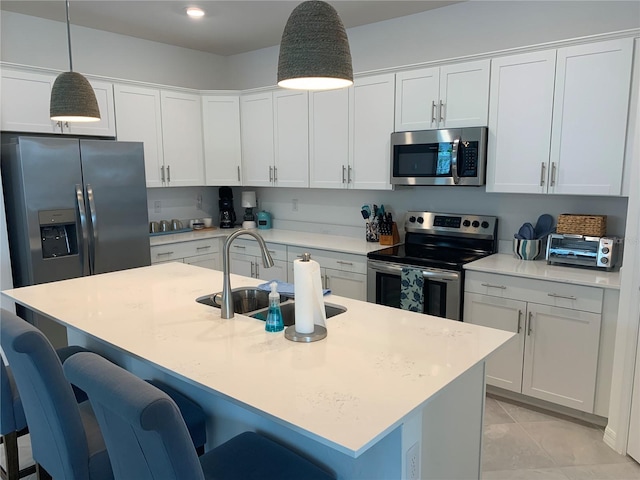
[229,27]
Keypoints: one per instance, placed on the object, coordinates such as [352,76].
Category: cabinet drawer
[250,247]
[345,262]
[556,294]
[172,251]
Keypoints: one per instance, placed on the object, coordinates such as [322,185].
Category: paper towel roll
[309,304]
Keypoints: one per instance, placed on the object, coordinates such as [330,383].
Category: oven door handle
[431,275]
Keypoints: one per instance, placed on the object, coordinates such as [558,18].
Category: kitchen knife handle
[433,111]
[543,167]
[519,321]
[168,173]
[162,173]
[529,329]
[238,172]
[83,238]
[344,180]
[349,174]
[441,111]
[553,174]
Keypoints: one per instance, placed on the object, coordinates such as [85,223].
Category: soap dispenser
[274,317]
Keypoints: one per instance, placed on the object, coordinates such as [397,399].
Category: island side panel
[452,429]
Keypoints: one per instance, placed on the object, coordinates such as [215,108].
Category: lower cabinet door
[207,261]
[346,284]
[242,265]
[277,272]
[561,356]
[504,366]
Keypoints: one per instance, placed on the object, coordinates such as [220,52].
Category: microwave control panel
[468,166]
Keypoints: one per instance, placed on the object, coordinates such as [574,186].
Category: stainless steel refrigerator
[74,207]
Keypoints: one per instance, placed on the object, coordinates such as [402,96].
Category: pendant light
[314,51]
[72,97]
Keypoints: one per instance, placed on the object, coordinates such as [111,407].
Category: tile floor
[521,443]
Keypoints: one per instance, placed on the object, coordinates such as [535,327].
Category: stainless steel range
[438,245]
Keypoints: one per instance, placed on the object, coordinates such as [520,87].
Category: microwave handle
[454,161]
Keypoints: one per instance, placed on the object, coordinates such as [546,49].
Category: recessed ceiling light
[195,12]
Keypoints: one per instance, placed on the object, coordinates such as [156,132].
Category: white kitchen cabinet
[345,274]
[329,138]
[246,259]
[139,119]
[275,139]
[555,354]
[25,106]
[450,96]
[221,129]
[557,120]
[182,138]
[204,253]
[371,107]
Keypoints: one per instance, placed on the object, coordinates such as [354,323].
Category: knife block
[391,239]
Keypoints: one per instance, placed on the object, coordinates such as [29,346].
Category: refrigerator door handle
[82,238]
[94,227]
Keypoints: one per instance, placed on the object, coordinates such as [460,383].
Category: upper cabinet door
[371,114]
[107,124]
[140,120]
[590,118]
[221,126]
[520,114]
[464,95]
[256,116]
[328,138]
[417,99]
[182,138]
[25,102]
[291,133]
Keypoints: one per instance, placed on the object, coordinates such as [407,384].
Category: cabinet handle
[275,174]
[203,248]
[493,286]
[349,170]
[162,173]
[433,111]
[252,274]
[270,173]
[344,263]
[553,173]
[568,297]
[238,172]
[441,111]
[543,167]
[326,281]
[168,173]
[257,270]
[344,180]
[239,246]
[529,330]
[519,321]
[164,253]
[66,124]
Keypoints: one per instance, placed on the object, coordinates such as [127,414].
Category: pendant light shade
[72,96]
[314,51]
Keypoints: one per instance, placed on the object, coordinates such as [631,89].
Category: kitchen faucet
[226,310]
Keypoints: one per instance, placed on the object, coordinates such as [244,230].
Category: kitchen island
[388,394]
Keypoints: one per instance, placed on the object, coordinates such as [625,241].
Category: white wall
[38,42]
[457,30]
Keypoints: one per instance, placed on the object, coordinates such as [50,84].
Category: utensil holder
[372,233]
[527,249]
[391,239]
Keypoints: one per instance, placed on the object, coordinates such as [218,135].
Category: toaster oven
[583,251]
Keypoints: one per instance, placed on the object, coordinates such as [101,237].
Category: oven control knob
[605,250]
[420,220]
[604,260]
[475,224]
[412,219]
[466,223]
[484,224]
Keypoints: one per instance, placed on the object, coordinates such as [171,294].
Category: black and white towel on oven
[412,289]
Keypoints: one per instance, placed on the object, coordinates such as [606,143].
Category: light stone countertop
[376,366]
[509,265]
[358,246]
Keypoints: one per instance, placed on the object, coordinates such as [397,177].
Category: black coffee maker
[225,204]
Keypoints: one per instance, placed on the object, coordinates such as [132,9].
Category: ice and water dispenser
[58,233]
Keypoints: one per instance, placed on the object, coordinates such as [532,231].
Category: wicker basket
[590,225]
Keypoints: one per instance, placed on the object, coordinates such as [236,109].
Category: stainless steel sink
[289,312]
[245,299]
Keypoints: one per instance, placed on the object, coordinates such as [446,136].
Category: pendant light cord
[69,37]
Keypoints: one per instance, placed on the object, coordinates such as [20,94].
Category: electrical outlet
[294,205]
[156,206]
[413,462]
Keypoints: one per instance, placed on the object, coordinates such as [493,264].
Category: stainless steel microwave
[454,156]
